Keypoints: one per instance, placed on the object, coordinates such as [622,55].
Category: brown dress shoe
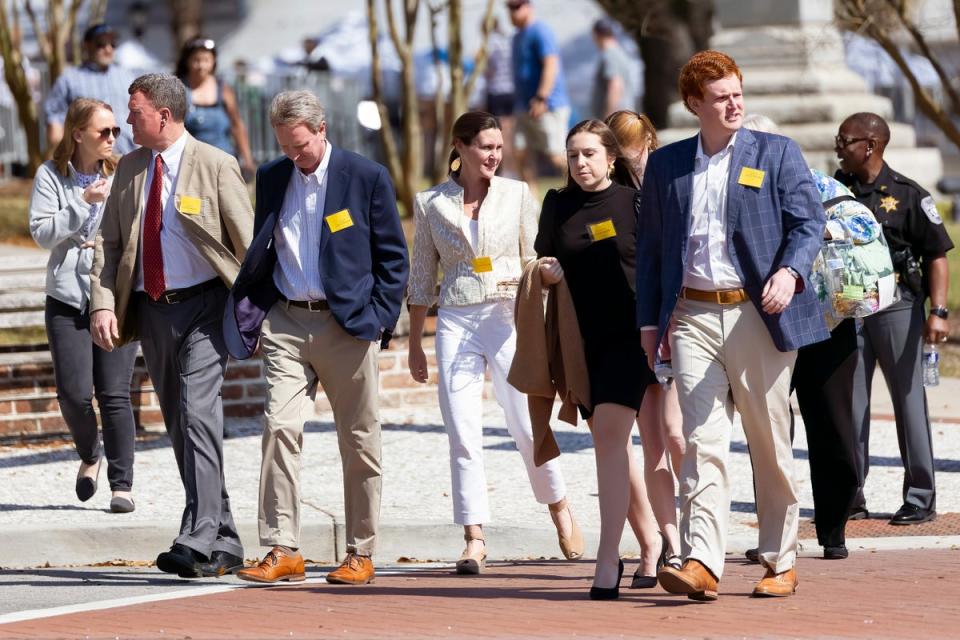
[276,566]
[693,579]
[777,585]
[354,569]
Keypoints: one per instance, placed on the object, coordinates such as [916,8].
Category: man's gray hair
[164,91]
[291,108]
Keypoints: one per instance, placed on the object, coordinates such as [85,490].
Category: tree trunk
[17,81]
[187,20]
[667,33]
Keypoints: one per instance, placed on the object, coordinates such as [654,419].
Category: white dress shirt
[709,267]
[183,266]
[298,232]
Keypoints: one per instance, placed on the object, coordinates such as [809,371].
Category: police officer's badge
[889,204]
[930,208]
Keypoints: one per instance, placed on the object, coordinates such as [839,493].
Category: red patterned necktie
[153,281]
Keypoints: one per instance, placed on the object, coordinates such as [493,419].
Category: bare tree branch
[16,80]
[386,128]
[925,50]
[42,41]
[480,62]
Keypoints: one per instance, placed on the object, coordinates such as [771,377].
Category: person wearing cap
[99,78]
[541,102]
[613,86]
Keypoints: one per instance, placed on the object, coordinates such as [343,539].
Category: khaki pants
[302,348]
[724,358]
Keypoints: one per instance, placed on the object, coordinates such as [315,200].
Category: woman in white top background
[65,211]
[480,229]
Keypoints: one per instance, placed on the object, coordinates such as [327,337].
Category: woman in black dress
[587,236]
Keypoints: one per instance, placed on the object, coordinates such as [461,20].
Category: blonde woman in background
[659,420]
[65,211]
[480,229]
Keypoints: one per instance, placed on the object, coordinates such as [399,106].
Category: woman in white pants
[480,229]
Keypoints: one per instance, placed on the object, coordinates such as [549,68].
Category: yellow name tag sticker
[751,177]
[189,205]
[601,230]
[339,221]
[483,264]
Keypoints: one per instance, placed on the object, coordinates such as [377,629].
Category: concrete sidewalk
[43,522]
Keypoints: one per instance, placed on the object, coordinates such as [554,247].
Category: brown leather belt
[176,296]
[724,296]
[309,305]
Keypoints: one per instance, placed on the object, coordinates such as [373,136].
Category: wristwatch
[538,98]
[940,312]
[792,272]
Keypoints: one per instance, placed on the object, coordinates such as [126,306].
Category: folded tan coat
[549,359]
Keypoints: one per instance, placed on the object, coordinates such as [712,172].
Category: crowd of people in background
[679,291]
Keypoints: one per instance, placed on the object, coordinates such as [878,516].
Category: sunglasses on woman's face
[106,133]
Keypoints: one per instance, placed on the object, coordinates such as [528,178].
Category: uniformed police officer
[893,338]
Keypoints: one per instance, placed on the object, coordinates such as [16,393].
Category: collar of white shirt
[172,154]
[321,168]
[703,157]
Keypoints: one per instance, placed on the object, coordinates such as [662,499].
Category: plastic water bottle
[931,365]
[664,373]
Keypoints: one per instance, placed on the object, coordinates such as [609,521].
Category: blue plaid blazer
[779,224]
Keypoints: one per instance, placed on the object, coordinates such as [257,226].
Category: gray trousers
[186,358]
[83,370]
[893,338]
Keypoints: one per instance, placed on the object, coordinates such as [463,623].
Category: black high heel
[608,593]
[641,581]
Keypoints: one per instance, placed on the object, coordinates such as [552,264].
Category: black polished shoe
[221,563]
[181,560]
[608,593]
[858,513]
[753,555]
[838,552]
[912,514]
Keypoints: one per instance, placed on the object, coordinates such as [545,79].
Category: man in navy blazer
[320,289]
[730,223]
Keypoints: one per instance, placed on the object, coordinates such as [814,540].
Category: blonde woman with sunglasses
[65,211]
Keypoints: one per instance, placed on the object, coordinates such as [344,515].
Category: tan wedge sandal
[472,564]
[572,546]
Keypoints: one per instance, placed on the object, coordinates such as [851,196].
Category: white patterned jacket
[507,227]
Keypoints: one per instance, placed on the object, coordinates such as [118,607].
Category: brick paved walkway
[894,594]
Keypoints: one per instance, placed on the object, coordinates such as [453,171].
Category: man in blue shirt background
[542,105]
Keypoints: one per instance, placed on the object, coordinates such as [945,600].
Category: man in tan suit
[175,230]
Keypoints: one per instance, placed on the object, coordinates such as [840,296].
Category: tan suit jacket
[549,359]
[221,232]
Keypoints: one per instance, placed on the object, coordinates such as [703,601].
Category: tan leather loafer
[354,569]
[274,567]
[777,585]
[694,579]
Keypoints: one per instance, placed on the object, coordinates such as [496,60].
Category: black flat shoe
[609,593]
[121,505]
[86,487]
[912,514]
[221,563]
[838,552]
[753,555]
[181,560]
[858,513]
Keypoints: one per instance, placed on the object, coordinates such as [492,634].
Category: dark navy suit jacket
[779,224]
[363,268]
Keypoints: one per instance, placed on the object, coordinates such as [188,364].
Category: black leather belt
[176,296]
[309,305]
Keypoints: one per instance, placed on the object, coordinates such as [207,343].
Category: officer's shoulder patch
[930,209]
